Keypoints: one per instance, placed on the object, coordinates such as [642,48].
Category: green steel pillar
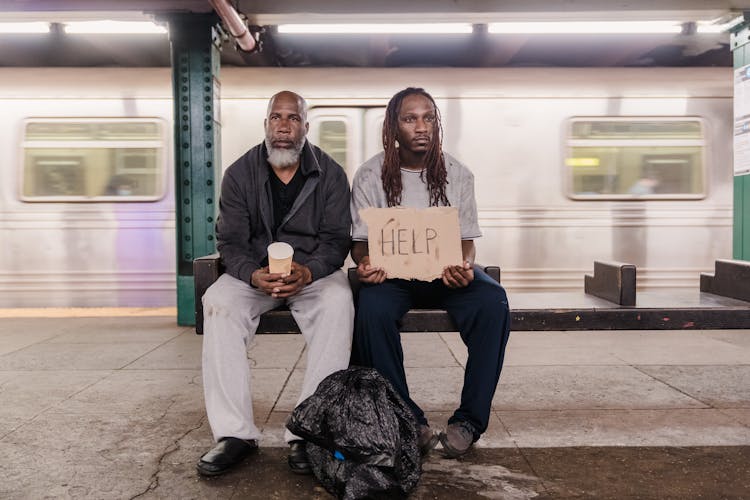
[195,42]
[740,44]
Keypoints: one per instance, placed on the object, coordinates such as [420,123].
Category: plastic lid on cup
[280,250]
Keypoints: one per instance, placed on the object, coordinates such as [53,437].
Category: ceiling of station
[416,8]
[477,49]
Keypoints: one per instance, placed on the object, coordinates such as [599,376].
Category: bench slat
[208,269]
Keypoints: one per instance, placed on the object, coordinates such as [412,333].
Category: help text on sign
[412,243]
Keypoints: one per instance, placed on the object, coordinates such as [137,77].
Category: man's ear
[265,123]
[307,127]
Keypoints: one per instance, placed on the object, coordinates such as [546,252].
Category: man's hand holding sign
[421,244]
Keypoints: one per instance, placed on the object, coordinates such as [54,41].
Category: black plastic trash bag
[362,438]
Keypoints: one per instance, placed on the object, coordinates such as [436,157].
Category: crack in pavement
[154,480]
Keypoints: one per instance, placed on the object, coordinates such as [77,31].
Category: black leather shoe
[298,461]
[227,453]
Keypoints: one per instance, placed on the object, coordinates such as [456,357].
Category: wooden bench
[731,278]
[612,281]
[207,269]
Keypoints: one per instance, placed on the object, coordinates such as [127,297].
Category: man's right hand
[368,274]
[265,281]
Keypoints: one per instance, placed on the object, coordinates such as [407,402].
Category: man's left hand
[458,276]
[293,282]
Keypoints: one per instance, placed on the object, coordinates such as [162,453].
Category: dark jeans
[480,311]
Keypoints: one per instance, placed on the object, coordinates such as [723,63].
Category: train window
[374,119]
[635,158]
[333,139]
[338,132]
[93,160]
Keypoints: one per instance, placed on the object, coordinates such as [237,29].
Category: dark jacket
[317,226]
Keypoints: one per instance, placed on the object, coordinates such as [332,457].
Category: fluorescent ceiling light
[114,27]
[34,27]
[586,27]
[395,28]
[712,27]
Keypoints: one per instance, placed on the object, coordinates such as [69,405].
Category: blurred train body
[570,165]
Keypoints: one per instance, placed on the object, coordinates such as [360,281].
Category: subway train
[571,166]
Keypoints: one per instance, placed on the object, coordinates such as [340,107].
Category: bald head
[287,96]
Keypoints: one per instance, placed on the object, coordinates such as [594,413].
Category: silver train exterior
[549,200]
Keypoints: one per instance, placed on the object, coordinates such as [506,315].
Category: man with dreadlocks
[413,171]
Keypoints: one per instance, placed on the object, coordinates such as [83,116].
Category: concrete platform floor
[112,407]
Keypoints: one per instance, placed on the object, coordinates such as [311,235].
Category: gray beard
[282,157]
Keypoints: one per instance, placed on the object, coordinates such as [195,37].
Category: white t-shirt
[367,191]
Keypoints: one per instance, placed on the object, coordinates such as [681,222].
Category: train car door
[349,135]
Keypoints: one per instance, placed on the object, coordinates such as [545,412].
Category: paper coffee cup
[280,257]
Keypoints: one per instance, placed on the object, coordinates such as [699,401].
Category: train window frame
[374,119]
[162,145]
[353,118]
[569,143]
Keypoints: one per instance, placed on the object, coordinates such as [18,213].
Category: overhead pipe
[234,23]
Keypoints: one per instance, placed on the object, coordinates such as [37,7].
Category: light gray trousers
[324,311]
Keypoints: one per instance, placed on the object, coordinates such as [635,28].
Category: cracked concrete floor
[112,407]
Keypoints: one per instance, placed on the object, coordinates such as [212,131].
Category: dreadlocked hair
[434,161]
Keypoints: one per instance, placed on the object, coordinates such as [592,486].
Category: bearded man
[284,189]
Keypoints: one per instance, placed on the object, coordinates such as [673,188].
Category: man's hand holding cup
[283,277]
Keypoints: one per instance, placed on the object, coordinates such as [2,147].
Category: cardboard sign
[412,243]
